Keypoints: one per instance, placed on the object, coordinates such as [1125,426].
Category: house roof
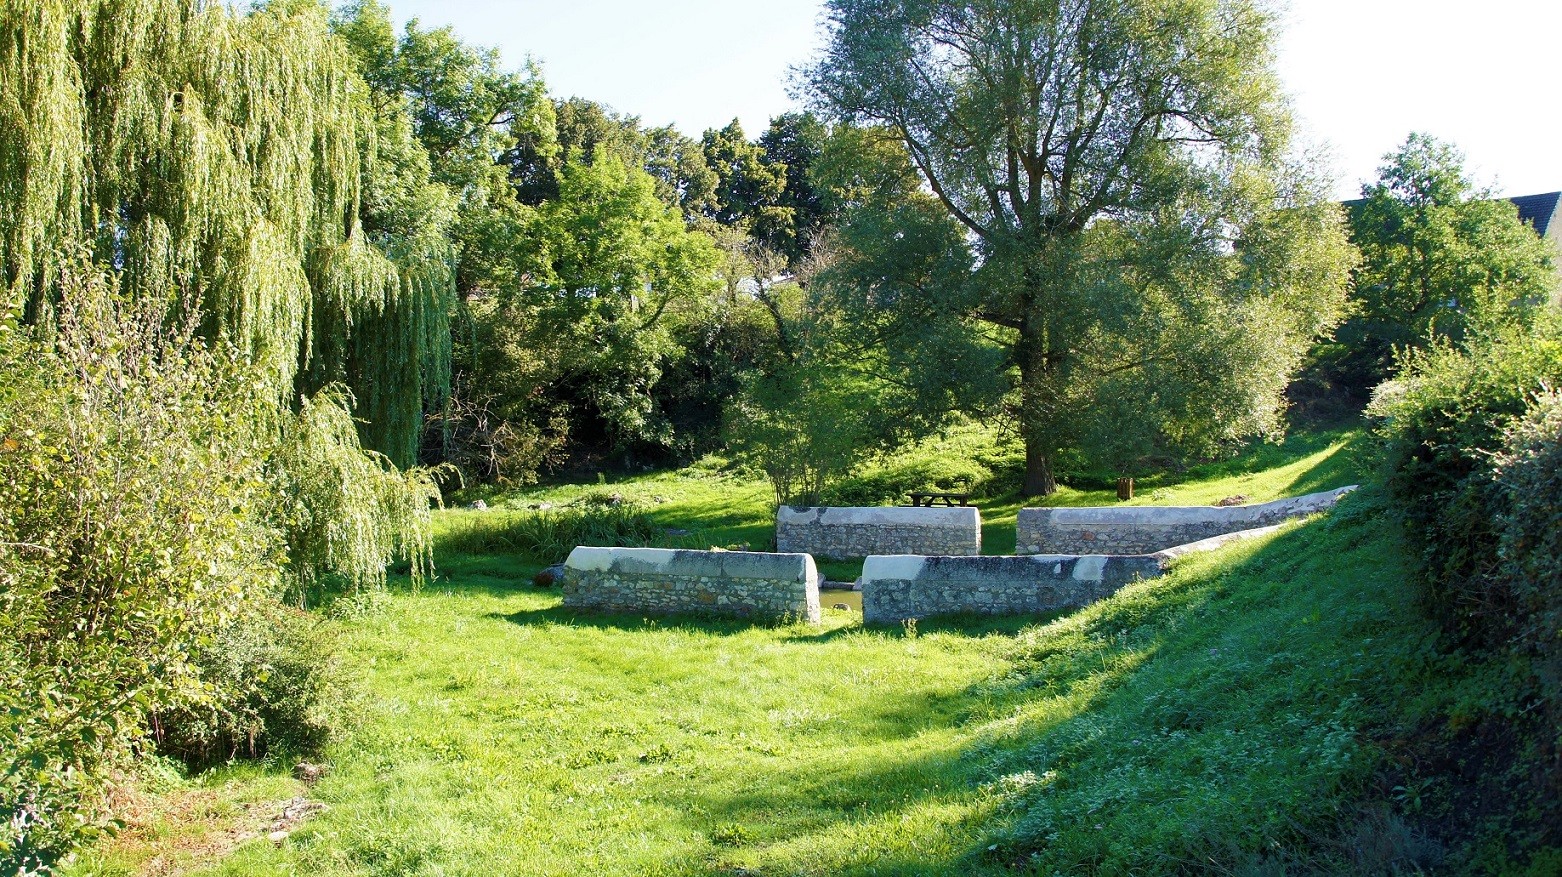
[1538,210]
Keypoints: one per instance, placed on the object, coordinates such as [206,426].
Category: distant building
[1539,213]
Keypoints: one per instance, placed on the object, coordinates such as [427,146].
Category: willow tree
[220,163]
[1122,170]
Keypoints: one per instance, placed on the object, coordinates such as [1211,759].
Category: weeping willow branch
[219,160]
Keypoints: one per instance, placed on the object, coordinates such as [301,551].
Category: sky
[1362,74]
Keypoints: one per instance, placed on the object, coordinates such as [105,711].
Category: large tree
[1120,168]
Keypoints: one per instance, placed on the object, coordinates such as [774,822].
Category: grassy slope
[1216,718]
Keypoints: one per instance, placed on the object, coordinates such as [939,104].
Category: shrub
[158,500]
[1474,445]
[1528,479]
[1440,424]
[278,685]
[133,525]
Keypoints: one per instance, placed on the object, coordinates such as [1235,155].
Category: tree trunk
[1038,470]
[1039,480]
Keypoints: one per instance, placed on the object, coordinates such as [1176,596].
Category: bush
[1528,479]
[278,685]
[158,500]
[1440,424]
[133,525]
[1474,445]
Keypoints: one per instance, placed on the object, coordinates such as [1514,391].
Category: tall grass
[548,535]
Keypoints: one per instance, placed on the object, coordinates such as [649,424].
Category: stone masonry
[1132,530]
[895,588]
[841,533]
[662,581]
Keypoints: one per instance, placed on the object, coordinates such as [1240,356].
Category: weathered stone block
[742,584]
[840,533]
[1147,529]
[895,588]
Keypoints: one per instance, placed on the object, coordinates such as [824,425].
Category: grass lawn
[1216,718]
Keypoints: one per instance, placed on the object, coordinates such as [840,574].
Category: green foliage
[136,522]
[619,266]
[278,687]
[748,187]
[1440,424]
[797,141]
[347,513]
[158,505]
[1471,436]
[1153,260]
[226,166]
[1528,476]
[1440,260]
[804,427]
[204,217]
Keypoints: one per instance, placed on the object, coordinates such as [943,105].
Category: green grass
[1221,718]
[711,505]
[1217,718]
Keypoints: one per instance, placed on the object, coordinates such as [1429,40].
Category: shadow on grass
[569,616]
[966,624]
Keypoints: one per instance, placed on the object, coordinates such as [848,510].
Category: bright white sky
[1364,73]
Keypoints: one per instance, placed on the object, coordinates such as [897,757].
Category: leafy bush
[805,427]
[1474,442]
[158,501]
[1528,477]
[279,686]
[134,524]
[1440,423]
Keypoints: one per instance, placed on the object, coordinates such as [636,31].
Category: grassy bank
[1223,718]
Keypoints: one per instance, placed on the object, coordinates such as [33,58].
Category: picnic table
[929,499]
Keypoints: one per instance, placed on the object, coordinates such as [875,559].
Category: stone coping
[898,587]
[896,516]
[1150,514]
[695,564]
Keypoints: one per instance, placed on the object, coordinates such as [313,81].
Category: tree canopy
[1122,172]
[1440,258]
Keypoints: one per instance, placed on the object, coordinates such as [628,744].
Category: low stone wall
[840,533]
[1147,529]
[663,581]
[895,588]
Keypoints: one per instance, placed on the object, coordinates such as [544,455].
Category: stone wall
[896,588]
[1147,529]
[840,533]
[663,581]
